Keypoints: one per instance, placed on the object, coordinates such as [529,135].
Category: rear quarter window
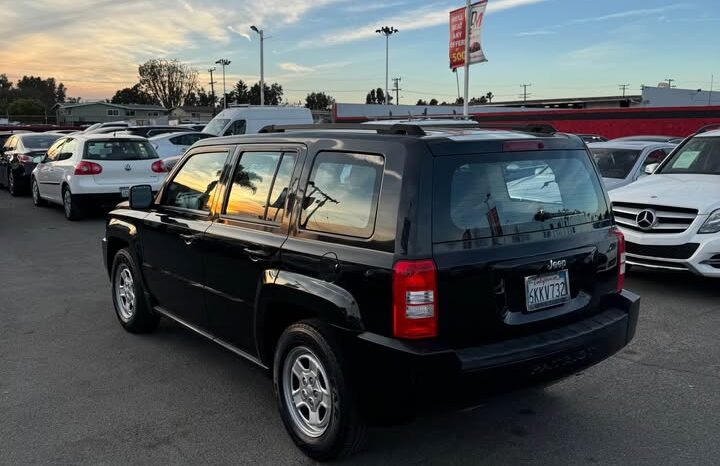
[483,196]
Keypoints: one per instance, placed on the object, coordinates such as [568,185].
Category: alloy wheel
[125,292]
[67,203]
[307,392]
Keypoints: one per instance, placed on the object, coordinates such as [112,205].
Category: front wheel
[37,200]
[316,399]
[131,308]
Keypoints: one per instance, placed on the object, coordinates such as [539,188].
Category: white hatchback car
[86,170]
[173,144]
[671,219]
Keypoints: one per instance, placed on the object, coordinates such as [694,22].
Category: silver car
[622,162]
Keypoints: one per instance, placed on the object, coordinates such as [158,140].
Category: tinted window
[700,155]
[342,194]
[258,184]
[196,182]
[615,163]
[40,141]
[238,127]
[54,150]
[119,150]
[506,194]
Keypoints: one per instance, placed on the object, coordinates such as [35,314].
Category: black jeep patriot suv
[440,254]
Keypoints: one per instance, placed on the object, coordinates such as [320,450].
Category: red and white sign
[457,35]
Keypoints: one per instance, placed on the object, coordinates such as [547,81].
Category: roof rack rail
[399,129]
[707,128]
[540,128]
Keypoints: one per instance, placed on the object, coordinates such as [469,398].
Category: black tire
[12,186]
[345,431]
[142,319]
[37,200]
[71,205]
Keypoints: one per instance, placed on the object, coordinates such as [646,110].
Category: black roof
[440,140]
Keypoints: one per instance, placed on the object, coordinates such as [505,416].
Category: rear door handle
[257,254]
[189,239]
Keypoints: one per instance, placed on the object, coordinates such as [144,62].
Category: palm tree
[489,96]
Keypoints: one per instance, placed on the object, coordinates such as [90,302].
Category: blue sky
[562,47]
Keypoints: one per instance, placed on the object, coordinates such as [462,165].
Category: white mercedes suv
[671,220]
[86,170]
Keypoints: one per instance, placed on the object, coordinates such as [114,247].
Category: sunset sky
[562,47]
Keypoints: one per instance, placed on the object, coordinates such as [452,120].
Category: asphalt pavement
[75,389]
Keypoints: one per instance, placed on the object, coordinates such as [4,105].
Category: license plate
[124,192]
[547,290]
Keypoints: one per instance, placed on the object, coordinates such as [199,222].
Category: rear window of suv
[119,150]
[484,196]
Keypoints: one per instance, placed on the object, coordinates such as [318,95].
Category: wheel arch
[285,298]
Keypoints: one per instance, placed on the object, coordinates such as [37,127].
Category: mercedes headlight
[712,224]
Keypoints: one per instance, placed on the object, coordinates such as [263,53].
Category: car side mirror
[650,168]
[141,197]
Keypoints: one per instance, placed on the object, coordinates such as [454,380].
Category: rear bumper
[544,356]
[106,199]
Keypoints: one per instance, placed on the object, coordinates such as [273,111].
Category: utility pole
[262,64]
[623,88]
[712,84]
[212,89]
[224,62]
[457,80]
[670,83]
[466,87]
[396,82]
[525,92]
[387,31]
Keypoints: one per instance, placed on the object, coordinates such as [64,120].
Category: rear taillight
[620,258]
[158,167]
[415,299]
[88,168]
[24,158]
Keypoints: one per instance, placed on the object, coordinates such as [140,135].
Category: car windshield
[216,126]
[509,194]
[119,150]
[40,141]
[615,163]
[700,156]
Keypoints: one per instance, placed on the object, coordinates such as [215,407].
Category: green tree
[489,96]
[433,102]
[46,91]
[319,101]
[133,95]
[273,94]
[421,102]
[25,109]
[371,98]
[168,81]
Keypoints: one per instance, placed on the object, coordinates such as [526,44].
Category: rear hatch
[522,242]
[124,162]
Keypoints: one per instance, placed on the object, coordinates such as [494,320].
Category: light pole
[387,31]
[223,62]
[262,64]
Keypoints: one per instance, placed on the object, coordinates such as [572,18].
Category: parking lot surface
[76,389]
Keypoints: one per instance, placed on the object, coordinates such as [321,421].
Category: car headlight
[712,224]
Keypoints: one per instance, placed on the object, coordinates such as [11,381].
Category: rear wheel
[128,296]
[317,403]
[37,200]
[70,205]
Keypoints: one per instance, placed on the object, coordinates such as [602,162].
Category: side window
[260,185]
[11,143]
[195,183]
[656,156]
[237,127]
[342,194]
[70,147]
[54,150]
[177,141]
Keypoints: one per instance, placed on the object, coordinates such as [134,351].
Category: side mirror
[650,168]
[141,197]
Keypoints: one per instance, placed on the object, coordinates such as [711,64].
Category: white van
[247,119]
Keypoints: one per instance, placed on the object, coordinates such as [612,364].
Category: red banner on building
[457,35]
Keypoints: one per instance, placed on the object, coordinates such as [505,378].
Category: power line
[670,82]
[623,88]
